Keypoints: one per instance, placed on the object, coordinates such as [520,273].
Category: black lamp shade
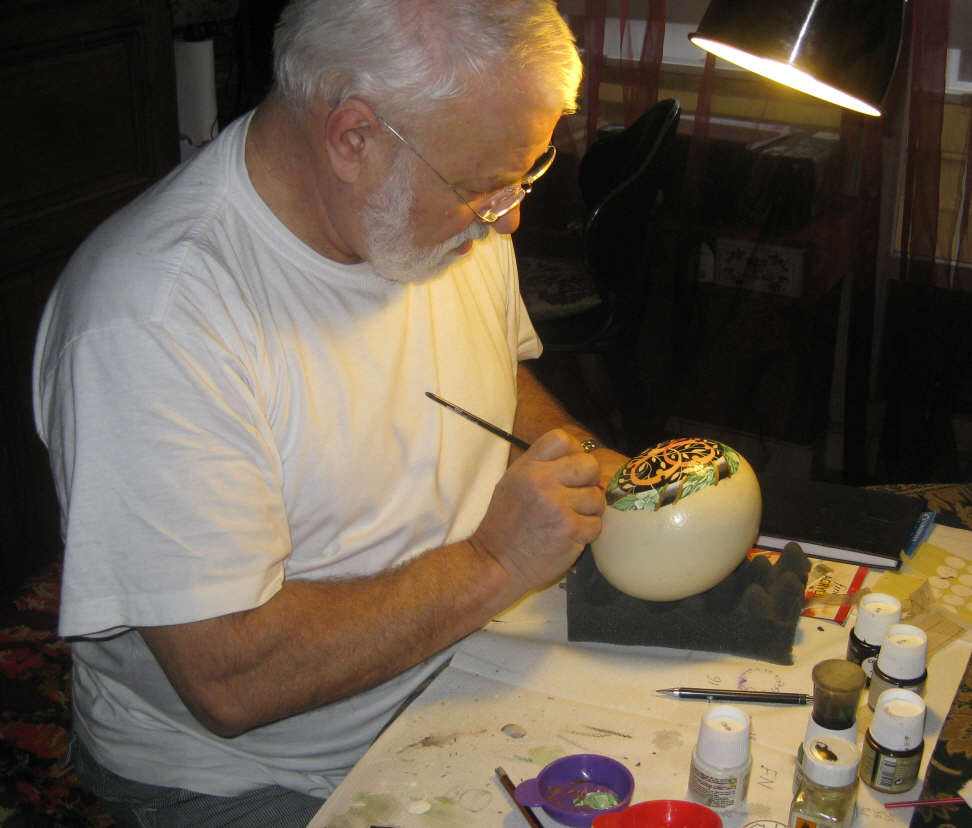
[848,45]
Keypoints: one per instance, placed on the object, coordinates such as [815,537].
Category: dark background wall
[87,89]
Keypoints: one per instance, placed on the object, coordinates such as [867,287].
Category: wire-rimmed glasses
[499,202]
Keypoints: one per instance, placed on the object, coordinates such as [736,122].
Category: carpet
[36,790]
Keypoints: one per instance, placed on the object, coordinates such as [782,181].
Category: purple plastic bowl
[562,781]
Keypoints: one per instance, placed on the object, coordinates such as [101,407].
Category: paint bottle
[875,613]
[719,774]
[826,796]
[837,686]
[894,742]
[901,662]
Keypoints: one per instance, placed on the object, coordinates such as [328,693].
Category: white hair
[408,56]
[388,231]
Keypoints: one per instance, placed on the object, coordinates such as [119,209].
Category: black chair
[590,297]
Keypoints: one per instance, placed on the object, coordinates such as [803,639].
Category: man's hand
[544,510]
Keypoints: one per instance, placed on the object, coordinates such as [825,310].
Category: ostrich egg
[681,516]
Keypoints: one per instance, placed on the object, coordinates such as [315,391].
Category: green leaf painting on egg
[671,471]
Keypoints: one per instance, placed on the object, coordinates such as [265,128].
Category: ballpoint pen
[759,696]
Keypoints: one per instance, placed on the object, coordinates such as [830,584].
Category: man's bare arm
[315,642]
[538,411]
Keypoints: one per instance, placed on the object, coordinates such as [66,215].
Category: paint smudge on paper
[601,732]
[759,678]
[541,755]
[367,810]
[475,800]
[667,739]
[440,739]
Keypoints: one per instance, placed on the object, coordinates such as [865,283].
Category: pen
[764,696]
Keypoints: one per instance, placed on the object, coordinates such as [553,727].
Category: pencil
[763,696]
[508,786]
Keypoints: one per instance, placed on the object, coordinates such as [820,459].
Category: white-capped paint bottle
[827,795]
[894,742]
[719,774]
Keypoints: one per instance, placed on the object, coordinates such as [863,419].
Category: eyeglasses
[499,202]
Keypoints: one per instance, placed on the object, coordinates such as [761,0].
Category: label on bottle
[860,652]
[717,791]
[798,770]
[889,772]
[867,665]
[816,819]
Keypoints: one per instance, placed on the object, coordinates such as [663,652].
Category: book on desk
[841,523]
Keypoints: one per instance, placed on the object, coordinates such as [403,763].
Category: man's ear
[349,137]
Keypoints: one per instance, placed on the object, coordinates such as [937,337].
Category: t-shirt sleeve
[171,504]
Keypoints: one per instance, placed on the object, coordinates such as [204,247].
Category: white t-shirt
[225,409]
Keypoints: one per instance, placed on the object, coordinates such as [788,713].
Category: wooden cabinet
[87,93]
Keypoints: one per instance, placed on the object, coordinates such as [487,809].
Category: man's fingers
[586,530]
[553,444]
[575,470]
[587,500]
[568,460]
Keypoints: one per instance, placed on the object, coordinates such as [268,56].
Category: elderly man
[272,537]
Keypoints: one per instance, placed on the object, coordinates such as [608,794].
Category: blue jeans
[139,805]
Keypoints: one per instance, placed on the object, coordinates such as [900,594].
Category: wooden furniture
[87,92]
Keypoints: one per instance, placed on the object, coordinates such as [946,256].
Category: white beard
[386,223]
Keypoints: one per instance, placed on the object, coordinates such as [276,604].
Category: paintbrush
[508,786]
[516,441]
[612,495]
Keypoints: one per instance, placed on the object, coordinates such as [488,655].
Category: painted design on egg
[671,471]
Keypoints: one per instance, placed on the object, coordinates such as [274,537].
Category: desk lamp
[843,52]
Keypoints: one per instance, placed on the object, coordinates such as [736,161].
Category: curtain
[935,214]
[920,210]
[931,244]
[637,67]
[925,365]
[926,231]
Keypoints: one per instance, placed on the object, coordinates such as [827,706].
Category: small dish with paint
[661,813]
[575,789]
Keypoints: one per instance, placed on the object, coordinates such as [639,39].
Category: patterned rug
[951,502]
[950,766]
[36,791]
